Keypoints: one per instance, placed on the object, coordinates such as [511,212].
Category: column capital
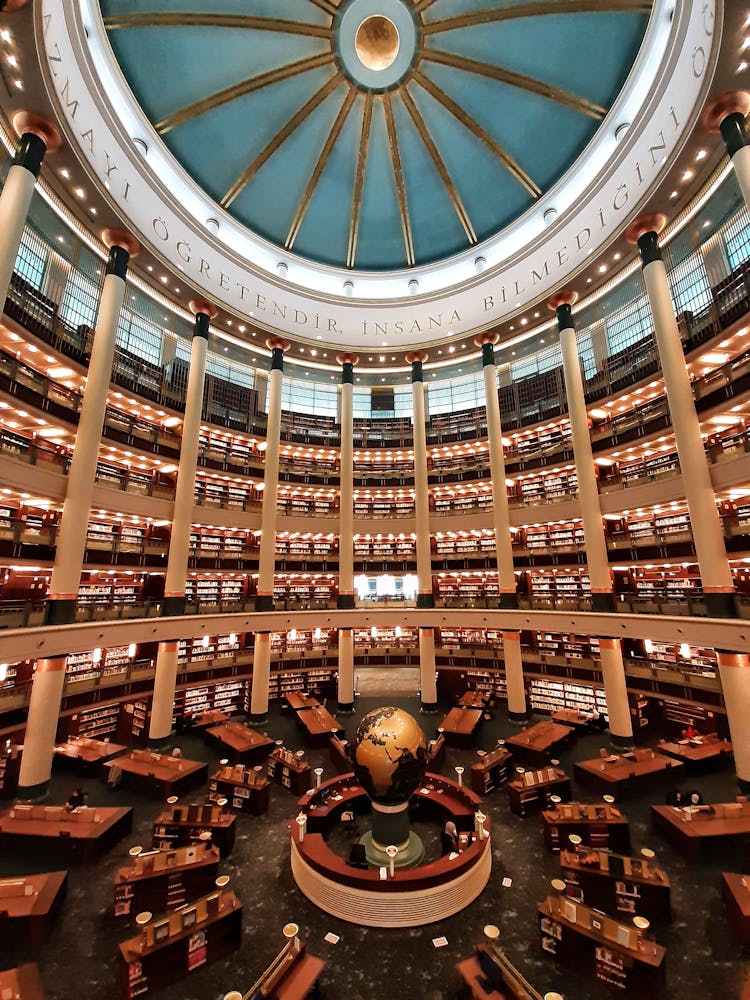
[650,222]
[488,337]
[565,297]
[732,102]
[278,344]
[414,357]
[31,123]
[347,359]
[203,306]
[123,239]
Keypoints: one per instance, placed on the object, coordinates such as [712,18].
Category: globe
[389,755]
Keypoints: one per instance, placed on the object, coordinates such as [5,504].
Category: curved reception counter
[398,897]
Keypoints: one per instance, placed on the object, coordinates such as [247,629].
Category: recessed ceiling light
[617,255]
[674,194]
[602,268]
[164,279]
[701,155]
[79,192]
[92,210]
[687,175]
[5,35]
[12,61]
[18,84]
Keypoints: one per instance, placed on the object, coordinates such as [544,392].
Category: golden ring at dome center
[377,42]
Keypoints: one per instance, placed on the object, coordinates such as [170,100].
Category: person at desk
[449,838]
[76,799]
[597,723]
[690,733]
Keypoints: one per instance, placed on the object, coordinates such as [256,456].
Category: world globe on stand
[389,755]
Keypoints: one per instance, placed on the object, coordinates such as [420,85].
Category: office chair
[358,857]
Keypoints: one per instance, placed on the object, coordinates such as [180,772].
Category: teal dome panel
[486,104]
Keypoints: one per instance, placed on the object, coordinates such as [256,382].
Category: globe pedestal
[390,825]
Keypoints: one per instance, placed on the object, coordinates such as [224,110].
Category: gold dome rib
[359,180]
[480,133]
[445,177]
[329,6]
[280,138]
[398,175]
[172,19]
[535,10]
[240,90]
[320,166]
[519,80]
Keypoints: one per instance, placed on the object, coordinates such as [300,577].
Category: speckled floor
[79,960]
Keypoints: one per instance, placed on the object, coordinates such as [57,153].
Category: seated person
[690,733]
[176,752]
[694,798]
[449,838]
[76,799]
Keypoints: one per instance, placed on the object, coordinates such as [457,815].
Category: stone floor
[79,960]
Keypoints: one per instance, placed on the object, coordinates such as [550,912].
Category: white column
[427,678]
[165,678]
[37,136]
[616,692]
[727,114]
[517,707]
[49,677]
[268,522]
[41,729]
[261,676]
[425,597]
[734,671]
[346,530]
[706,526]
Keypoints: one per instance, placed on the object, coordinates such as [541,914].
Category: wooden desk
[137,890]
[622,956]
[569,717]
[735,892]
[239,743]
[599,826]
[27,917]
[536,744]
[319,724]
[179,826]
[619,775]
[85,755]
[246,790]
[616,883]
[289,770]
[214,717]
[301,980]
[298,701]
[474,980]
[491,770]
[23,982]
[338,752]
[473,699]
[692,828]
[157,775]
[145,968]
[699,753]
[460,725]
[529,799]
[81,836]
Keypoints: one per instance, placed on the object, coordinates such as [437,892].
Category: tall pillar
[165,678]
[49,677]
[734,671]
[268,522]
[425,598]
[37,136]
[727,114]
[346,531]
[597,559]
[517,706]
[708,533]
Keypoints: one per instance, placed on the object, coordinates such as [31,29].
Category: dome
[389,754]
[375,134]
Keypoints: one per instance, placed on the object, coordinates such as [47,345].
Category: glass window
[31,259]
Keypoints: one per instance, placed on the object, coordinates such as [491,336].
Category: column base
[744,786]
[410,854]
[264,602]
[723,605]
[519,718]
[33,793]
[258,718]
[425,601]
[428,708]
[345,602]
[603,602]
[621,742]
[345,707]
[173,607]
[60,612]
[161,744]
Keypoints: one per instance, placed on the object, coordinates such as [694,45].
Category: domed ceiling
[375,134]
